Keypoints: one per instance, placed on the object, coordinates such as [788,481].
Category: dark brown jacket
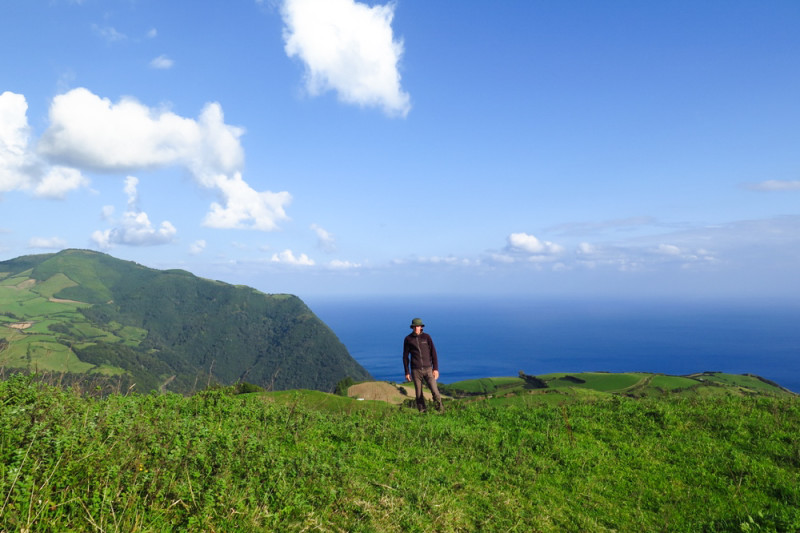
[422,351]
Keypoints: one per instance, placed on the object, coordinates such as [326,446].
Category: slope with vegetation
[311,461]
[79,312]
[552,387]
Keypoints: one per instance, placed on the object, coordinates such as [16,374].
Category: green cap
[417,322]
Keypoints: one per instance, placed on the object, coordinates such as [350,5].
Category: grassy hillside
[633,384]
[309,461]
[79,312]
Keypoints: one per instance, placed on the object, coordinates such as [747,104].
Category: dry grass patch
[383,391]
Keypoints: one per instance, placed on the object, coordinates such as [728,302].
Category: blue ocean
[485,337]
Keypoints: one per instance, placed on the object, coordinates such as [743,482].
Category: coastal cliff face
[84,313]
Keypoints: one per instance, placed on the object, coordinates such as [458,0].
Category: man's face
[417,330]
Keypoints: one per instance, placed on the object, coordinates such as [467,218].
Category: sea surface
[486,337]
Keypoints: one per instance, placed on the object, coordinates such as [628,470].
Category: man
[424,364]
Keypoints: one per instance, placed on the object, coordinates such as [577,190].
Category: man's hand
[436,375]
[408,377]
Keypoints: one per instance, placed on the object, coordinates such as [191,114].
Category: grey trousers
[418,375]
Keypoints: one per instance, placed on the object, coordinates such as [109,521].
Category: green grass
[672,383]
[13,282]
[749,382]
[594,380]
[484,385]
[595,386]
[43,355]
[89,332]
[37,347]
[55,284]
[307,461]
[131,336]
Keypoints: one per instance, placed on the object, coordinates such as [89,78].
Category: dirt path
[63,301]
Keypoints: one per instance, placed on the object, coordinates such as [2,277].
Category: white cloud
[501,258]
[776,185]
[152,33]
[55,243]
[635,256]
[525,243]
[668,249]
[109,33]
[59,181]
[324,239]
[162,62]
[20,168]
[90,132]
[87,131]
[343,265]
[347,47]
[449,260]
[246,208]
[197,247]
[287,257]
[132,192]
[135,228]
[15,158]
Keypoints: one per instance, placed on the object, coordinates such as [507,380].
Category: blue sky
[330,147]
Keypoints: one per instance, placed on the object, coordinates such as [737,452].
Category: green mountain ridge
[80,312]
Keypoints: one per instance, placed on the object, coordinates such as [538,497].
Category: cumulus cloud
[15,159]
[54,243]
[529,244]
[775,185]
[59,181]
[347,47]
[244,208]
[87,131]
[324,239]
[20,167]
[287,257]
[134,228]
[162,62]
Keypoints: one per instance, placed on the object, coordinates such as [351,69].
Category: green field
[638,384]
[308,461]
[53,285]
[37,347]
